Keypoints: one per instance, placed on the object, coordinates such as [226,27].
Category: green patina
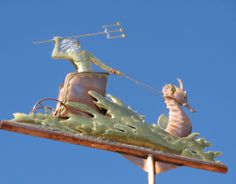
[122,124]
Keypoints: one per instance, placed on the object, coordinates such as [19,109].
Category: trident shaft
[112,31]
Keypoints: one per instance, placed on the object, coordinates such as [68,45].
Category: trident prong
[114,37]
[117,24]
[108,32]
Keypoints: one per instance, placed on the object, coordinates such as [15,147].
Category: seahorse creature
[177,124]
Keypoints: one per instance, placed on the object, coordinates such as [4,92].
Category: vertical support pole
[1,122]
[151,169]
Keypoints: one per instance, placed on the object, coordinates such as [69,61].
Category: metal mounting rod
[151,169]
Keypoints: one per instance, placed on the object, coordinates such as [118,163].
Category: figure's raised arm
[105,67]
[57,53]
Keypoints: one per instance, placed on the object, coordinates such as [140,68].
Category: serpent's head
[177,93]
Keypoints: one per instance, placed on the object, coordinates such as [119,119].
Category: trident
[112,31]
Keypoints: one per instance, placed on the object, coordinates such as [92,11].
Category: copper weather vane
[85,115]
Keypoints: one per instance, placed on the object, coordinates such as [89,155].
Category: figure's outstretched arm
[105,67]
[56,53]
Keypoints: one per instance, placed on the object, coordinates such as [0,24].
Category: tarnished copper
[75,89]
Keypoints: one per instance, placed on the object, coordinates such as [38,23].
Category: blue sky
[192,40]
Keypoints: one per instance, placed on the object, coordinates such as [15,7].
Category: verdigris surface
[120,123]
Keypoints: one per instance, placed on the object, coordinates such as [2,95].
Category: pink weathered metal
[75,89]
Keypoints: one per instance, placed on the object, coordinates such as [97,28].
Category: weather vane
[84,115]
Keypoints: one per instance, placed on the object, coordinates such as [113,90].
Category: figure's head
[70,45]
[177,93]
